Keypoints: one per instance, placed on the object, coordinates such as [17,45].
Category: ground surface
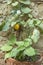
[5,11]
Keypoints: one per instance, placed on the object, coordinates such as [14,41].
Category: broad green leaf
[36,22]
[15,3]
[30,23]
[8,55]
[22,22]
[12,39]
[29,51]
[36,35]
[7,26]
[26,2]
[26,10]
[11,54]
[20,43]
[33,22]
[27,42]
[6,47]
[13,23]
[21,48]
[40,25]
[20,56]
[14,52]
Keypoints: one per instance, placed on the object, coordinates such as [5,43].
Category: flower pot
[12,61]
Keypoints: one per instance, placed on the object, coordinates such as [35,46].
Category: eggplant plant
[21,17]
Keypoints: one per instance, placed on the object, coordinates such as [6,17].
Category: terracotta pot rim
[27,61]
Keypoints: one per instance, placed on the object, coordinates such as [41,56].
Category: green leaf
[20,43]
[14,52]
[26,10]
[15,3]
[12,39]
[26,2]
[13,23]
[8,55]
[29,51]
[33,22]
[27,42]
[21,48]
[22,22]
[30,23]
[20,56]
[6,48]
[36,22]
[36,35]
[7,26]
[41,26]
